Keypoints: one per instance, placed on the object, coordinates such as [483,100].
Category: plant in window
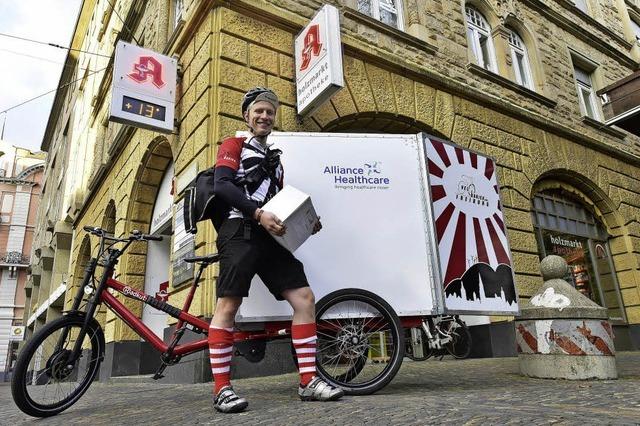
[479,33]
[520,60]
[386,11]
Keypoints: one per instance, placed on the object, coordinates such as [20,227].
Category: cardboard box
[294,208]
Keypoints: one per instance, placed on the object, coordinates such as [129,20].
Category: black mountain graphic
[493,282]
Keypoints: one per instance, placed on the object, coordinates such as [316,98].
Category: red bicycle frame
[272,330]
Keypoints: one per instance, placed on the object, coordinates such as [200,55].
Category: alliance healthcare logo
[467,192]
[367,176]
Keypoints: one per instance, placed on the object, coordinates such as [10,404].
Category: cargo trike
[412,228]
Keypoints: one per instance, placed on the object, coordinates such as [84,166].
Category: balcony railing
[14,258]
[622,103]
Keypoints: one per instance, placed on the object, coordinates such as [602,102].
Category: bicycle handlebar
[90,229]
[135,235]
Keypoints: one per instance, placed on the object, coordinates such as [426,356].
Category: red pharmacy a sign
[147,67]
[312,46]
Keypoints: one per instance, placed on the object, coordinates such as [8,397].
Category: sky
[28,69]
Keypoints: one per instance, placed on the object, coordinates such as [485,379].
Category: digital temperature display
[145,109]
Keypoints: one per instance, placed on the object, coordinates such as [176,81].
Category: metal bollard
[561,334]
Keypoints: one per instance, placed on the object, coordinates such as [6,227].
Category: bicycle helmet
[259,94]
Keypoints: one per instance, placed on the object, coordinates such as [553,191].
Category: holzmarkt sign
[318,51]
[143,88]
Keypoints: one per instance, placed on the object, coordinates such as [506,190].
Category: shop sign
[143,88]
[164,202]
[163,292]
[318,57]
[575,250]
[564,245]
[17,332]
[183,246]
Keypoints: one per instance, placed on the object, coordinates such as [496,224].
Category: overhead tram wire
[42,59]
[65,48]
[51,91]
[54,45]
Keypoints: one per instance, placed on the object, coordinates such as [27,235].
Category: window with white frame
[177,12]
[582,5]
[636,29]
[7,203]
[520,60]
[386,11]
[479,33]
[586,93]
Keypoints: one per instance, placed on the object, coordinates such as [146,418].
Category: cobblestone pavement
[479,391]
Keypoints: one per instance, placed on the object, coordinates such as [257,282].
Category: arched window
[565,227]
[479,33]
[520,60]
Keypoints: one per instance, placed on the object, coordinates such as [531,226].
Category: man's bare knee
[300,298]
[226,309]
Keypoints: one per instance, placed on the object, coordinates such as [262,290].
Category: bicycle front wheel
[360,341]
[44,383]
[460,345]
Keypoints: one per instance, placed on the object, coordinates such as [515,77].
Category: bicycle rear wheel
[460,345]
[360,341]
[43,383]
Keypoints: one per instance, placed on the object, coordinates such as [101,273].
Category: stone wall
[394,83]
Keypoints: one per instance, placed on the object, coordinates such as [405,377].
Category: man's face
[260,117]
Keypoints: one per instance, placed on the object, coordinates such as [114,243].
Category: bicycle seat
[207,259]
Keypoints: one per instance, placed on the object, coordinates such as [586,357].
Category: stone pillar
[561,333]
[413,25]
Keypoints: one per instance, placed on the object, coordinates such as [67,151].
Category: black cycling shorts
[241,259]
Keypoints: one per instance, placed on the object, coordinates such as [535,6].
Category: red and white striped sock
[220,353]
[304,339]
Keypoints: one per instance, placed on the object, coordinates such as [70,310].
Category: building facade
[20,184]
[513,79]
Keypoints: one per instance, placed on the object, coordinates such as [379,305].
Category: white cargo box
[295,209]
[413,219]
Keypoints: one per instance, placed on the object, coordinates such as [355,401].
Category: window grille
[552,210]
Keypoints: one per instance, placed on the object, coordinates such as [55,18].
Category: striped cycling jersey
[243,156]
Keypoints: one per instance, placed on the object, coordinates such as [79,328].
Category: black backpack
[200,203]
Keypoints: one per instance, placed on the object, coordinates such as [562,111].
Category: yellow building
[514,79]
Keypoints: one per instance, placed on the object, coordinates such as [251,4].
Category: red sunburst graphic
[468,217]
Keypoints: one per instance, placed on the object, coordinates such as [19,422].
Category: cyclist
[246,249]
